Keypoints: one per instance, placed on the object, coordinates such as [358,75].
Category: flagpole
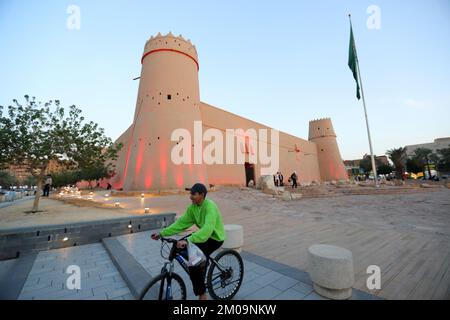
[374,168]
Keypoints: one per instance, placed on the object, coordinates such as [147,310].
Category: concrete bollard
[235,237]
[331,270]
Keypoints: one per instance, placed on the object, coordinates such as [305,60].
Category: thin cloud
[417,104]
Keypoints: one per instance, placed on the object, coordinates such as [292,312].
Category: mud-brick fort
[169,99]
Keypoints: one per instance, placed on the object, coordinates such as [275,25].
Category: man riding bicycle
[205,214]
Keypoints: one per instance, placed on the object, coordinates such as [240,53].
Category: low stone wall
[19,241]
[9,196]
[137,193]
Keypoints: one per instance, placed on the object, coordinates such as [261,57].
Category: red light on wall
[179,180]
[148,181]
[163,163]
[331,169]
[140,156]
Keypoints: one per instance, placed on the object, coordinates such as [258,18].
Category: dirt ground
[53,212]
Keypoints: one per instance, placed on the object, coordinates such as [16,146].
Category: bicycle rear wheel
[223,283]
[157,288]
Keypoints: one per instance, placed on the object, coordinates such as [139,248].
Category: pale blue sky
[281,63]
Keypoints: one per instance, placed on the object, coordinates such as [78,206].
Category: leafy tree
[384,169]
[366,164]
[443,163]
[412,165]
[29,181]
[398,158]
[64,178]
[33,133]
[7,179]
[423,156]
[94,173]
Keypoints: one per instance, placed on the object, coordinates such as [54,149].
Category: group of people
[278,179]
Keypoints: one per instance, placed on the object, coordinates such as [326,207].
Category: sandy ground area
[53,212]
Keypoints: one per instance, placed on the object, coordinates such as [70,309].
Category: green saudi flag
[352,61]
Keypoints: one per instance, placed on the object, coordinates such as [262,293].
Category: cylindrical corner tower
[168,99]
[331,166]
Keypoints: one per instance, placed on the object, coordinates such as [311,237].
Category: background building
[440,143]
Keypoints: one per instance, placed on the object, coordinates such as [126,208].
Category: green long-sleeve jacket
[206,217]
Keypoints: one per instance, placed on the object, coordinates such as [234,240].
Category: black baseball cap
[198,187]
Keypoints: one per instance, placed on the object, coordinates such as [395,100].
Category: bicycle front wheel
[225,276]
[165,287]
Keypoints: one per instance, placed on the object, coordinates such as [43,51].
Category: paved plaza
[101,280]
[407,235]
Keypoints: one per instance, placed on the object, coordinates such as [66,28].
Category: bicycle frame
[169,267]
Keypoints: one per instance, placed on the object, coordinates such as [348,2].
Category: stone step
[134,274]
[13,274]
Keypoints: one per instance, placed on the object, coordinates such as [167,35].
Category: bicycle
[220,275]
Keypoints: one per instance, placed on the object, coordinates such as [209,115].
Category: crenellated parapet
[319,128]
[170,43]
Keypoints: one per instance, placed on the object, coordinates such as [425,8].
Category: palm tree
[398,158]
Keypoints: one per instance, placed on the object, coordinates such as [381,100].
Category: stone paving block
[250,275]
[98,283]
[101,262]
[303,288]
[95,274]
[248,266]
[265,293]
[128,296]
[40,271]
[32,281]
[69,295]
[109,274]
[100,296]
[39,286]
[267,278]
[314,296]
[284,283]
[120,284]
[248,288]
[117,293]
[46,258]
[89,269]
[27,296]
[261,270]
[290,294]
[38,292]
[48,277]
[107,287]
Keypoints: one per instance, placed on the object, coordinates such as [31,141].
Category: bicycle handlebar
[171,240]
